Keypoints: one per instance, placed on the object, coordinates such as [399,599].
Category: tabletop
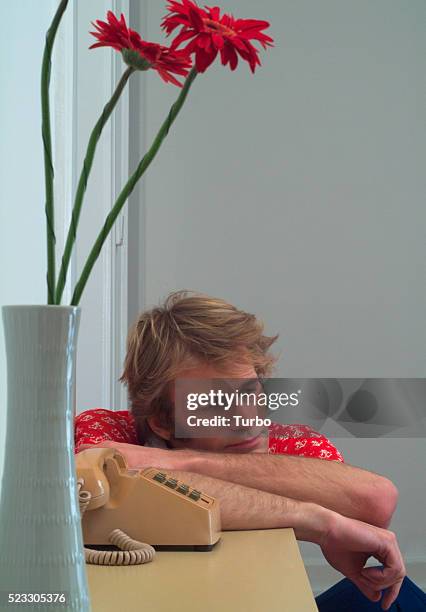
[247,571]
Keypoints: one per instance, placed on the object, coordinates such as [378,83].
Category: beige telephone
[149,505]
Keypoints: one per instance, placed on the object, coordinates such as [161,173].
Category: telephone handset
[147,504]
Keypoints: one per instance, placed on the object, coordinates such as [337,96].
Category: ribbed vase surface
[41,546]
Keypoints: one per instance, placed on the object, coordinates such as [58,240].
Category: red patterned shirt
[96,425]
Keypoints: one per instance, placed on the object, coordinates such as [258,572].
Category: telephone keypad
[172,483]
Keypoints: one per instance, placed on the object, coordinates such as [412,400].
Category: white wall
[298,194]
[22,220]
[102,335]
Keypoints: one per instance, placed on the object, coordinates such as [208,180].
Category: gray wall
[299,194]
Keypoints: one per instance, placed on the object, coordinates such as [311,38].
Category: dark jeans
[346,597]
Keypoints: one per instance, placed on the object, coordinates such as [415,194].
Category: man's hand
[347,545]
[142,457]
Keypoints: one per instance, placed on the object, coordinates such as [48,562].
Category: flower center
[218,28]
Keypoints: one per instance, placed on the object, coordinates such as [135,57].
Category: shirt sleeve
[301,440]
[98,424]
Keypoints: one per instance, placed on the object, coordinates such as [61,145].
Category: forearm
[246,508]
[344,489]
[348,490]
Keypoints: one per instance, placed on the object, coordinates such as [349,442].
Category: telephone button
[160,477]
[183,488]
[172,483]
[195,495]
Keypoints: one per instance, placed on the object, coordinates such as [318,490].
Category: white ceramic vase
[41,545]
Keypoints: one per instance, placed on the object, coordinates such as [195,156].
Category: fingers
[379,578]
[390,595]
[374,593]
[103,444]
[366,589]
[390,555]
[389,578]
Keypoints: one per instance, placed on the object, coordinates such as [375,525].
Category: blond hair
[187,329]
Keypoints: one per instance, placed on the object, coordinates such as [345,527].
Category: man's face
[238,438]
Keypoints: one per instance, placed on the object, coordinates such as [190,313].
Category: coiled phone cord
[132,552]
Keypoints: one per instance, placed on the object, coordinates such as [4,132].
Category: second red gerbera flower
[209,33]
[139,53]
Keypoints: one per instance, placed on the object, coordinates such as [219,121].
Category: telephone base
[161,547]
[174,515]
[187,547]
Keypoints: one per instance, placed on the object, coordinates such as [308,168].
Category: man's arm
[346,489]
[346,543]
[246,508]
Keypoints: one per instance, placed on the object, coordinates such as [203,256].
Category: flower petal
[217,41]
[204,59]
[196,20]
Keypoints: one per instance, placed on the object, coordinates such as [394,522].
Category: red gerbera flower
[139,53]
[208,33]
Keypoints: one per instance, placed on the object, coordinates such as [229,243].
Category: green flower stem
[82,183]
[129,186]
[47,148]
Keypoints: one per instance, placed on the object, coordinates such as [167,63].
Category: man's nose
[247,410]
